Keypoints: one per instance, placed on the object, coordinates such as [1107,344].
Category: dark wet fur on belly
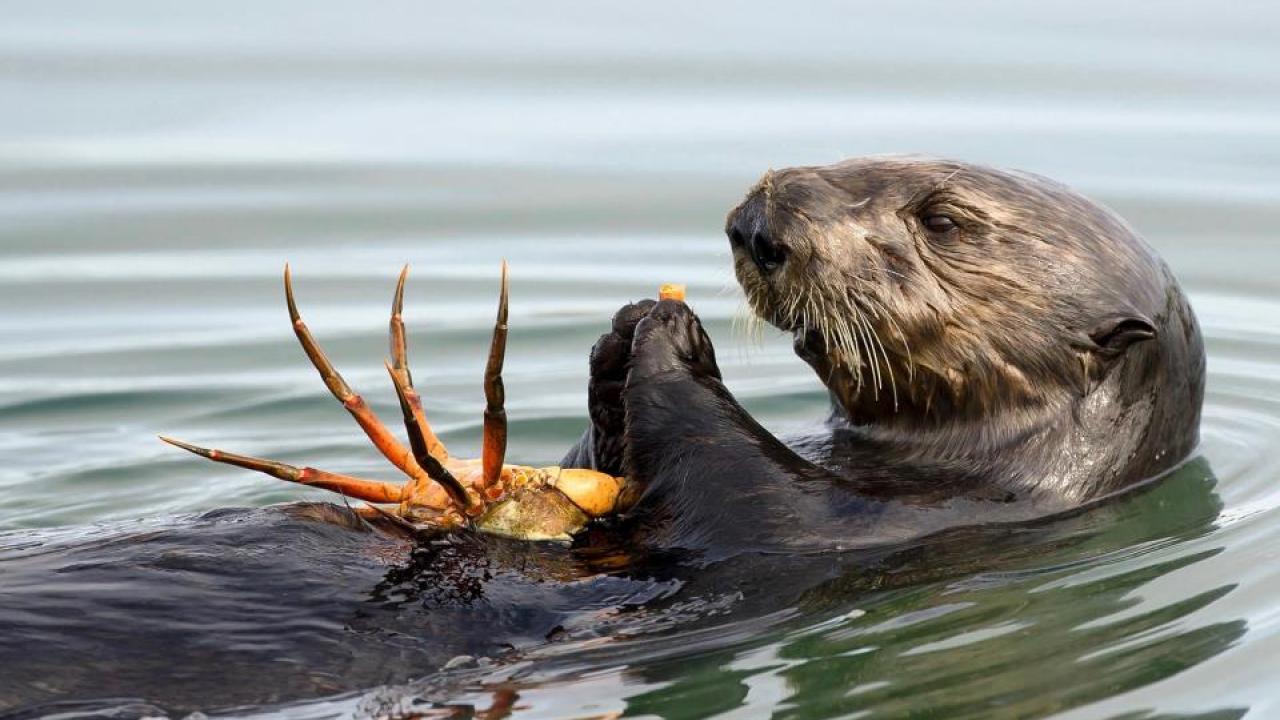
[259,607]
[244,606]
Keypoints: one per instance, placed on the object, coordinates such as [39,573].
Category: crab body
[443,492]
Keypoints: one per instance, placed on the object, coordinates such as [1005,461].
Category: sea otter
[998,350]
[996,346]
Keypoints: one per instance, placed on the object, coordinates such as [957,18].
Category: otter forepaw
[670,339]
[610,358]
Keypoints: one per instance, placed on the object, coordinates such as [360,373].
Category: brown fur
[975,338]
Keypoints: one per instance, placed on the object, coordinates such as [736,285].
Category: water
[160,163]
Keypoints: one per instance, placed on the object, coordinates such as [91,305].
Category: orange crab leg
[387,444]
[421,438]
[360,489]
[494,443]
[414,421]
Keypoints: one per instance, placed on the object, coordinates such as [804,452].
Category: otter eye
[939,223]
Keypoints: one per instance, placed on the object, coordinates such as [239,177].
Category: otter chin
[978,316]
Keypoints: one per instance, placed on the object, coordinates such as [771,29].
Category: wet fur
[990,347]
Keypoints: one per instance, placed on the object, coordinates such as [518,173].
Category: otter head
[932,294]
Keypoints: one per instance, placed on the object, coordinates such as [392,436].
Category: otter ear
[1115,334]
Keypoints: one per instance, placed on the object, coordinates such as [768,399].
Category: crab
[444,492]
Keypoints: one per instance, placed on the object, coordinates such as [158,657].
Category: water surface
[159,165]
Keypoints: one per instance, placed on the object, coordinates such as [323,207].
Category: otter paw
[670,339]
[610,358]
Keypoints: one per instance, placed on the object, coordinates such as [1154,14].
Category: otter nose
[747,231]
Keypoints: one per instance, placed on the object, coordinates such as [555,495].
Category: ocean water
[160,162]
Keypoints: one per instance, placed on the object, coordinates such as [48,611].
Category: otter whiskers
[850,324]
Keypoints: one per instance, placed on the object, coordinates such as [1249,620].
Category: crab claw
[414,422]
[358,488]
[494,449]
[382,438]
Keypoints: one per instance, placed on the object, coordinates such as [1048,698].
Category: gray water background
[160,162]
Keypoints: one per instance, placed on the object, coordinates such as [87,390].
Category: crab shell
[548,503]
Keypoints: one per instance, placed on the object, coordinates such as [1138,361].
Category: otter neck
[922,403]
[919,396]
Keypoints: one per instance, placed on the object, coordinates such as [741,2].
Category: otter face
[923,290]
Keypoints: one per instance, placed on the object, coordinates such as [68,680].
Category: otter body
[998,350]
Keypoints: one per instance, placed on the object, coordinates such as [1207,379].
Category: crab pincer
[358,488]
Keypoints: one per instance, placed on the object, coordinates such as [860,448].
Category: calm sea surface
[160,162]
